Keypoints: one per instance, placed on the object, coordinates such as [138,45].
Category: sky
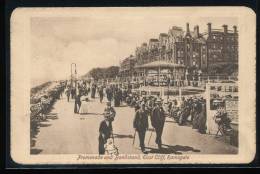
[99,39]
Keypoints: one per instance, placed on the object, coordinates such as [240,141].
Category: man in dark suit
[101,94]
[105,132]
[157,121]
[109,93]
[141,124]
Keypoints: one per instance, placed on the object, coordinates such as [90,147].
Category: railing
[198,81]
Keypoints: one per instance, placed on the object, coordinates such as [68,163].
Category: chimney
[225,27]
[187,28]
[235,29]
[196,31]
[209,28]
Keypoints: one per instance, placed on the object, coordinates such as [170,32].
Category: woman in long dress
[93,91]
[84,105]
[117,98]
[202,119]
[195,111]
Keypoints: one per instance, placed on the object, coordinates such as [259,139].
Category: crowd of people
[187,110]
[42,101]
[82,90]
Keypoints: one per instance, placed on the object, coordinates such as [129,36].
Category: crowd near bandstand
[187,110]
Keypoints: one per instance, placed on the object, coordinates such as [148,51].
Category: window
[235,89]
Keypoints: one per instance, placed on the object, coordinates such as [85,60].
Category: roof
[159,63]
[200,40]
[175,32]
[154,40]
[163,34]
[176,28]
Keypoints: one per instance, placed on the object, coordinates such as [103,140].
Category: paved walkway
[67,133]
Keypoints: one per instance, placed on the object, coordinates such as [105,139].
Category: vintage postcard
[133,85]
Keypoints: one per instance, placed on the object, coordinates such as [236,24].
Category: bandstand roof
[162,64]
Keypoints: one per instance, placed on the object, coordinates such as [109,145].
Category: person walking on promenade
[116,98]
[101,94]
[67,92]
[73,92]
[105,132]
[109,93]
[157,121]
[77,104]
[93,90]
[140,124]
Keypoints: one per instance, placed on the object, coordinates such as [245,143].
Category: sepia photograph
[133,85]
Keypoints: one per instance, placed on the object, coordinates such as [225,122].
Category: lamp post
[75,67]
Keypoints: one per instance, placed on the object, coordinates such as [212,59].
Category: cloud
[97,40]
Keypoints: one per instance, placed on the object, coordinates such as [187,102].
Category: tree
[101,73]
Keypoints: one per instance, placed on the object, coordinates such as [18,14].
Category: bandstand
[161,71]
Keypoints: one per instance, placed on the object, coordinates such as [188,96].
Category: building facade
[183,54]
[222,48]
[126,69]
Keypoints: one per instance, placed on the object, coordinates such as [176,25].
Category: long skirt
[117,102]
[100,97]
[93,93]
[83,108]
[202,122]
[195,121]
[101,144]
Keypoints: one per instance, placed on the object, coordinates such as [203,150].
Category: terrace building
[181,55]
[175,46]
[222,48]
[127,67]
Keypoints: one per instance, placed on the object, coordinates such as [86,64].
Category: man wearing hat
[150,105]
[157,120]
[105,132]
[141,124]
[109,93]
